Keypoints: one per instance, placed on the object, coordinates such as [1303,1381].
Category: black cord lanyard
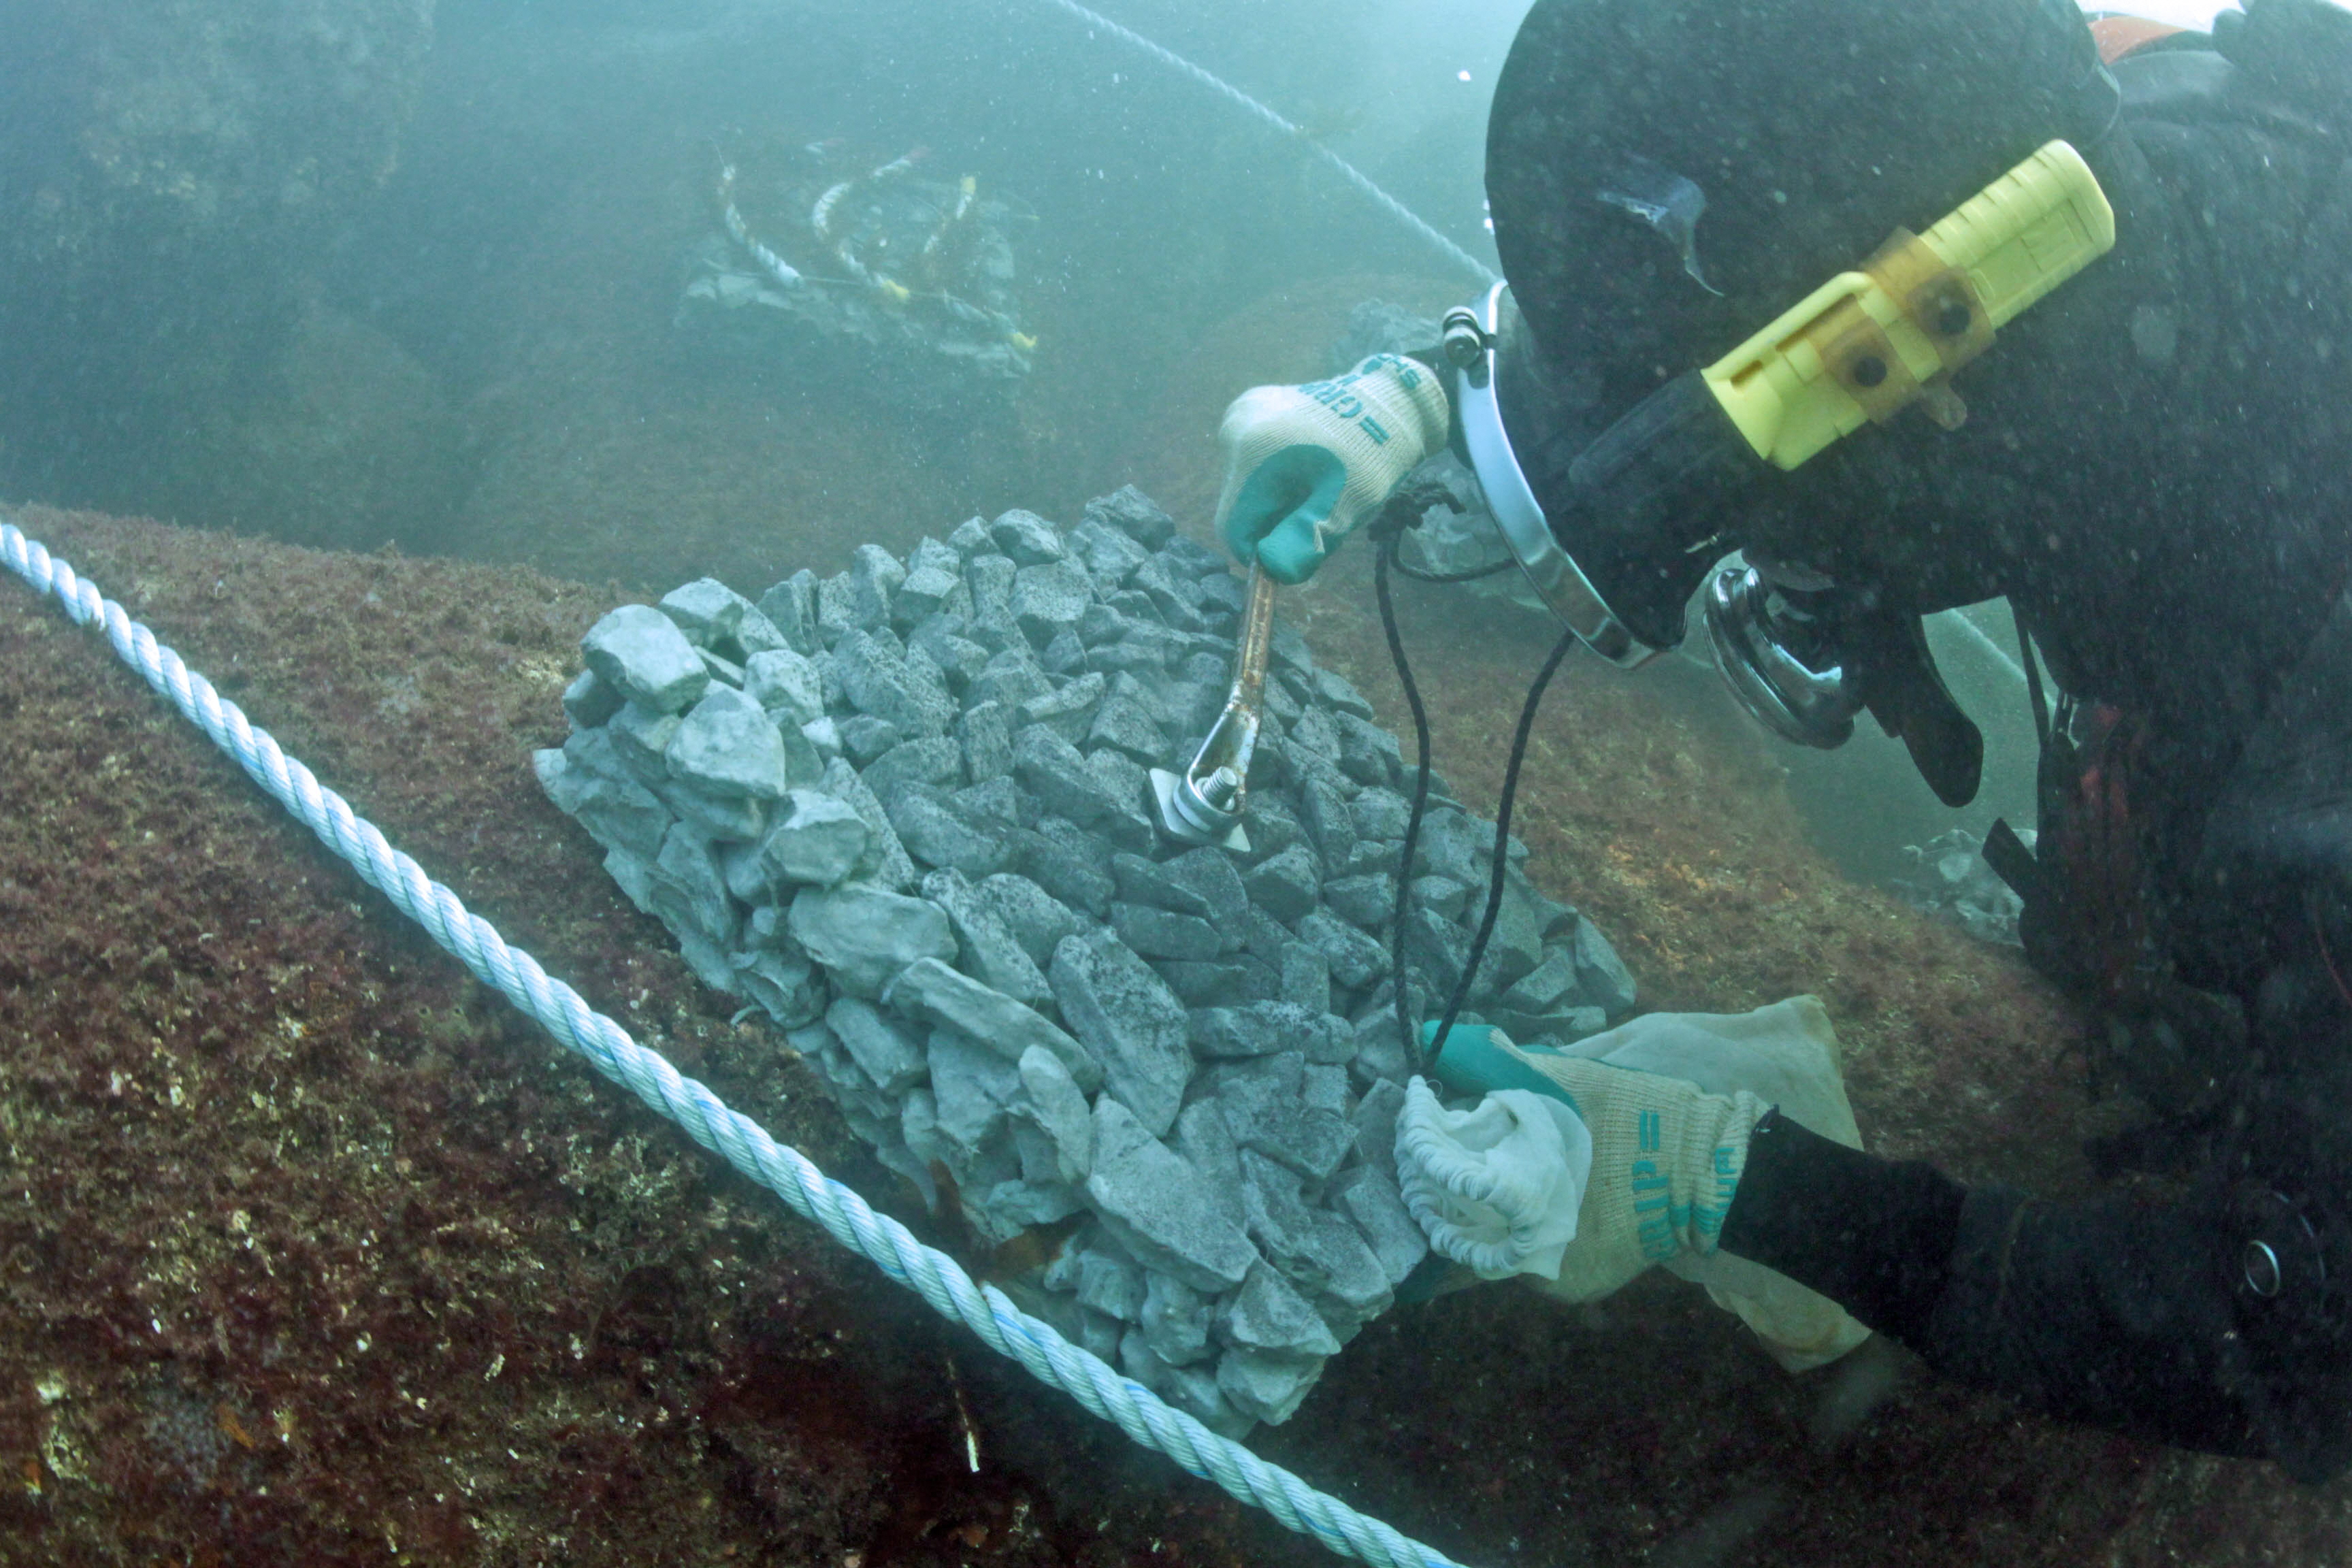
[1388,533]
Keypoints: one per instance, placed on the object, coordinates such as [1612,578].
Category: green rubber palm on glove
[1304,464]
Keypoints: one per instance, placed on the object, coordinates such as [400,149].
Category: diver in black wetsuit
[2152,467]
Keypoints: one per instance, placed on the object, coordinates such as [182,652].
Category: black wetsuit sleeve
[2108,1312]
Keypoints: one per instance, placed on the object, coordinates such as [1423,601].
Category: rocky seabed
[905,812]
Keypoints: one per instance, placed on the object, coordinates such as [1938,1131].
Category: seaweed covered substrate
[311,1248]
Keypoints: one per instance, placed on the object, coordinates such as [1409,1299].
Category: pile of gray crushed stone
[905,810]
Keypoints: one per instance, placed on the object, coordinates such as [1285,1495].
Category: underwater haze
[380,355]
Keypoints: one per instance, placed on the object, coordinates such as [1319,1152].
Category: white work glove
[1304,464]
[1670,1100]
[1495,1187]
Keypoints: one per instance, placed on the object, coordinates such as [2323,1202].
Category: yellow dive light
[1868,343]
[1619,548]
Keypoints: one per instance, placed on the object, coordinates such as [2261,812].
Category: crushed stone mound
[907,812]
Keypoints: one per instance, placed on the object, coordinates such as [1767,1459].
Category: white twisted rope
[737,1139]
[1256,110]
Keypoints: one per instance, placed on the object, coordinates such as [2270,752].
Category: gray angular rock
[1036,920]
[989,576]
[640,652]
[1264,938]
[937,832]
[1052,1102]
[1011,1207]
[866,739]
[1264,1029]
[865,936]
[1026,539]
[885,864]
[1065,657]
[987,952]
[1124,726]
[817,840]
[1069,863]
[1208,1146]
[1265,1111]
[1443,895]
[727,746]
[1111,1284]
[928,989]
[1133,512]
[1552,983]
[1379,1049]
[1267,1314]
[688,891]
[885,1049]
[1323,812]
[927,587]
[591,699]
[1159,1208]
[1380,814]
[939,637]
[1602,978]
[1133,822]
[1356,960]
[1068,709]
[618,812]
[1131,1023]
[1175,1319]
[1235,981]
[1209,874]
[933,760]
[837,611]
[1047,600]
[984,731]
[1317,1250]
[785,985]
[1305,976]
[1110,556]
[1162,933]
[1051,769]
[1368,753]
[707,610]
[787,686]
[1375,1123]
[1142,881]
[1287,886]
[1011,678]
[791,608]
[1366,901]
[1173,594]
[974,1089]
[1264,1386]
[970,538]
[901,689]
[873,576]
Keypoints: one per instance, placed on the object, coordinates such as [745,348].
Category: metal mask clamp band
[1549,569]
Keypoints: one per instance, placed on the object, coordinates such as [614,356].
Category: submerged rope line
[1240,99]
[735,1138]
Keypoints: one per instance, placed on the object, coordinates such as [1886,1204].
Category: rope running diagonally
[1259,112]
[735,1138]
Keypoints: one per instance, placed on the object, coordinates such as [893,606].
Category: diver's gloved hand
[1669,1100]
[1304,464]
[1496,1187]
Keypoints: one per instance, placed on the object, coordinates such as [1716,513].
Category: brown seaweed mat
[311,1250]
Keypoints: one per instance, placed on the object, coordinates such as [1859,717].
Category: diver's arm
[2109,1312]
